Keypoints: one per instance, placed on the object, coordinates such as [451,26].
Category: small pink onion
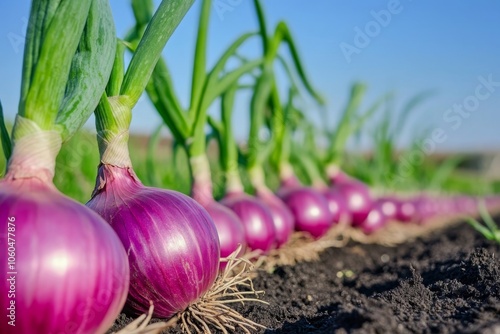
[426,209]
[374,221]
[466,205]
[256,218]
[388,206]
[358,198]
[71,270]
[171,241]
[337,206]
[284,222]
[229,228]
[309,207]
[406,210]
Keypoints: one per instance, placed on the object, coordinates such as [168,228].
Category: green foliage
[4,137]
[488,228]
[49,51]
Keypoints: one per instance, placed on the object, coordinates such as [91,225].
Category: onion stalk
[256,217]
[188,125]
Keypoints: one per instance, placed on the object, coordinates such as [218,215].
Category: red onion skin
[256,218]
[171,241]
[229,228]
[73,272]
[309,207]
[357,196]
[374,221]
[337,206]
[284,222]
[388,206]
[406,210]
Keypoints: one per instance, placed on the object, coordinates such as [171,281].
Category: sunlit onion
[284,222]
[388,206]
[69,271]
[374,221]
[229,228]
[337,206]
[309,207]
[171,241]
[406,210]
[358,198]
[256,218]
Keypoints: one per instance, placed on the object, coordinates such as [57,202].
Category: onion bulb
[256,218]
[229,228]
[357,197]
[374,221]
[171,241]
[68,272]
[309,207]
[284,222]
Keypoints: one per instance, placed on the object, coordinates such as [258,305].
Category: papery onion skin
[284,222]
[229,228]
[256,218]
[72,270]
[309,207]
[171,241]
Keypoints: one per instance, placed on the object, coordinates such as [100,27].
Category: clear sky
[448,46]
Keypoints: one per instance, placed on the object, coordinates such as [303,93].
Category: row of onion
[133,245]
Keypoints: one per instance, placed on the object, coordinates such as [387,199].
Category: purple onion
[492,202]
[284,222]
[171,241]
[466,205]
[375,220]
[388,206]
[256,218]
[309,207]
[426,208]
[337,206]
[406,210]
[229,228]
[71,272]
[358,199]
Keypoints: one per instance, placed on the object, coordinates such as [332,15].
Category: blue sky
[450,47]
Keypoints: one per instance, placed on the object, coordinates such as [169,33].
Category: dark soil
[448,282]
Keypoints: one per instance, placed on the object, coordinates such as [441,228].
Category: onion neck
[257,178]
[113,117]
[116,179]
[201,189]
[233,182]
[334,172]
[35,151]
[287,175]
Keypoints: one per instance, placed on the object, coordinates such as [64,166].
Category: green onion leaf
[160,28]
[90,69]
[48,57]
[4,135]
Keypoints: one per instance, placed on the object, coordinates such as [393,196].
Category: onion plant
[257,219]
[69,259]
[188,124]
[171,240]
